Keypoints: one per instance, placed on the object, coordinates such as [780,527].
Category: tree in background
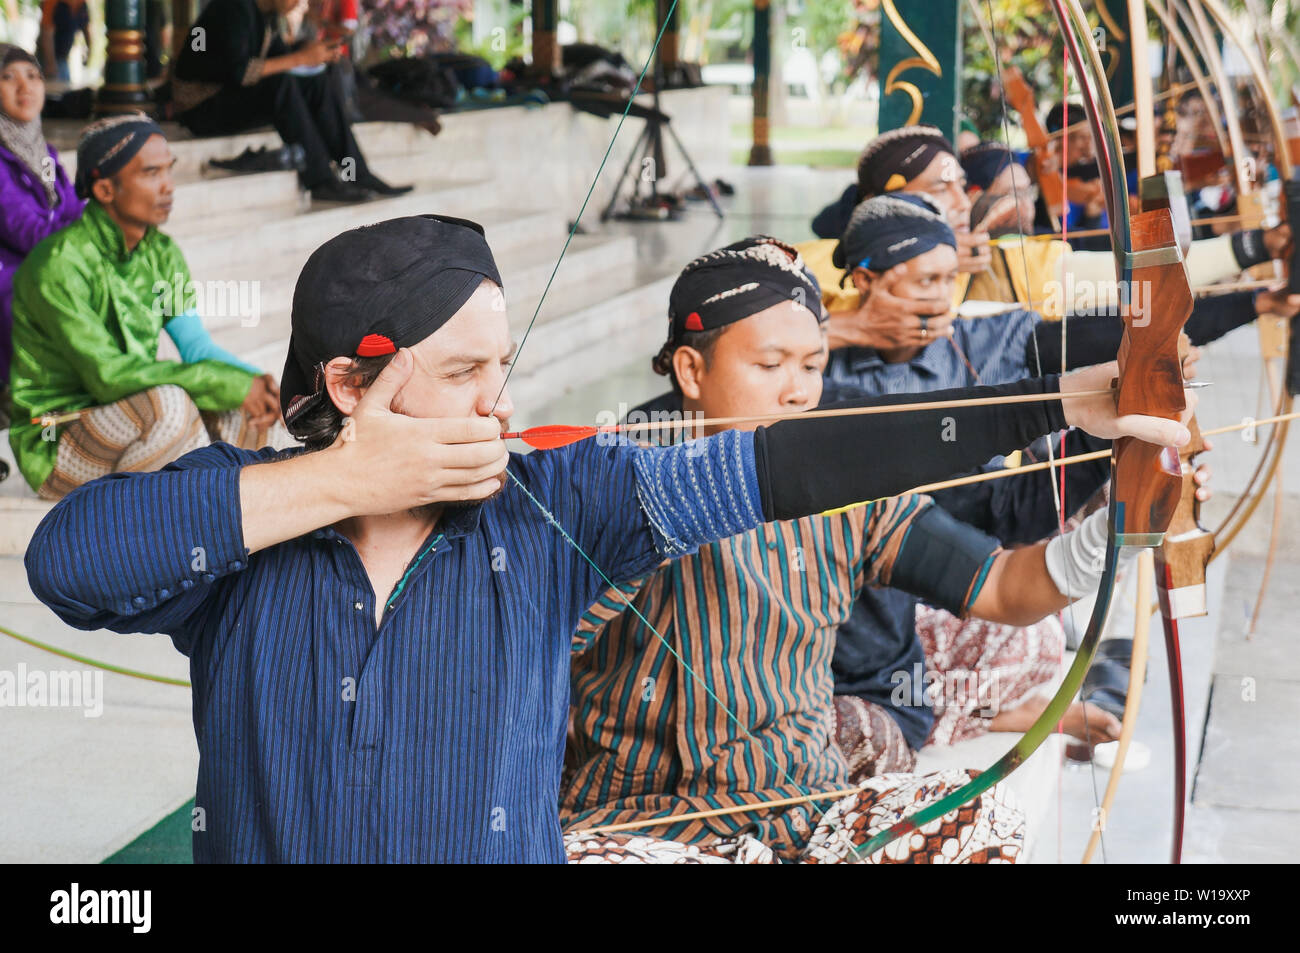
[1026,33]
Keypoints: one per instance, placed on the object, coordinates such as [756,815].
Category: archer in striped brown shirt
[708,683]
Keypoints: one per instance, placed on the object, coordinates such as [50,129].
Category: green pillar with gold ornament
[668,46]
[546,49]
[920,64]
[1114,42]
[760,152]
[124,87]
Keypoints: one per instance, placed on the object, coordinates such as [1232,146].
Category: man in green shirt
[91,395]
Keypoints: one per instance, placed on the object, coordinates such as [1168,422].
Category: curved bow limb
[1132,698]
[1158,191]
[1278,339]
[1244,509]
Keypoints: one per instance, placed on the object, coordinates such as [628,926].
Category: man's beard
[428,511]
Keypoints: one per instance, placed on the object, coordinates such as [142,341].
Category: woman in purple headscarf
[36,196]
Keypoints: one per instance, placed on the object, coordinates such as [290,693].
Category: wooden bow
[1275,341]
[1045,162]
[1185,544]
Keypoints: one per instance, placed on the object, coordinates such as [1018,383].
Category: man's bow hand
[1098,416]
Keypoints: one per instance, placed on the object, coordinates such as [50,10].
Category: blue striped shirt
[438,736]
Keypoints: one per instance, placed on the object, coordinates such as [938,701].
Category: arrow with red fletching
[553,436]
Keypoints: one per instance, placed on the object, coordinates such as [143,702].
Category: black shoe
[263,160]
[340,192]
[377,185]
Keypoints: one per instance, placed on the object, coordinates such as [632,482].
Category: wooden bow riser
[1149,477]
[1188,546]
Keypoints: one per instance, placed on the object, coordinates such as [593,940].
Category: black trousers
[307,110]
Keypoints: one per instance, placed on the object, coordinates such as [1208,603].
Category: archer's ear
[341,387]
[862,279]
[688,368]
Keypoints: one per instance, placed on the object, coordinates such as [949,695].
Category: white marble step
[227,201]
[221,202]
[301,230]
[570,346]
[273,274]
[131,742]
[525,269]
[595,293]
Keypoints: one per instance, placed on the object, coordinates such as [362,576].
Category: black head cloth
[375,289]
[894,158]
[1056,117]
[737,281]
[985,162]
[106,146]
[888,230]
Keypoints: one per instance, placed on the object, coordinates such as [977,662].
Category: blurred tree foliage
[1026,34]
[499,47]
[1024,30]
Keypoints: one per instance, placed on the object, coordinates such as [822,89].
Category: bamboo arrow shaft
[819,414]
[663,821]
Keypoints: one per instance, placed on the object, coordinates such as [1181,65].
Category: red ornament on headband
[693,322]
[372,345]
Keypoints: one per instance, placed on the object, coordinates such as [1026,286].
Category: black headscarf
[894,158]
[888,230]
[375,289]
[1055,120]
[985,162]
[734,282]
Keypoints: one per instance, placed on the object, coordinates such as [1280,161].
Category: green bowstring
[573,230]
[549,517]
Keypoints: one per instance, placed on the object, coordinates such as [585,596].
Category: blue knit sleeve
[195,344]
[698,492]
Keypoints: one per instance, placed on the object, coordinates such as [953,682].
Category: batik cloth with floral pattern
[990,829]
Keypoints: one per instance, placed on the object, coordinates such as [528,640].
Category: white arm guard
[1077,560]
